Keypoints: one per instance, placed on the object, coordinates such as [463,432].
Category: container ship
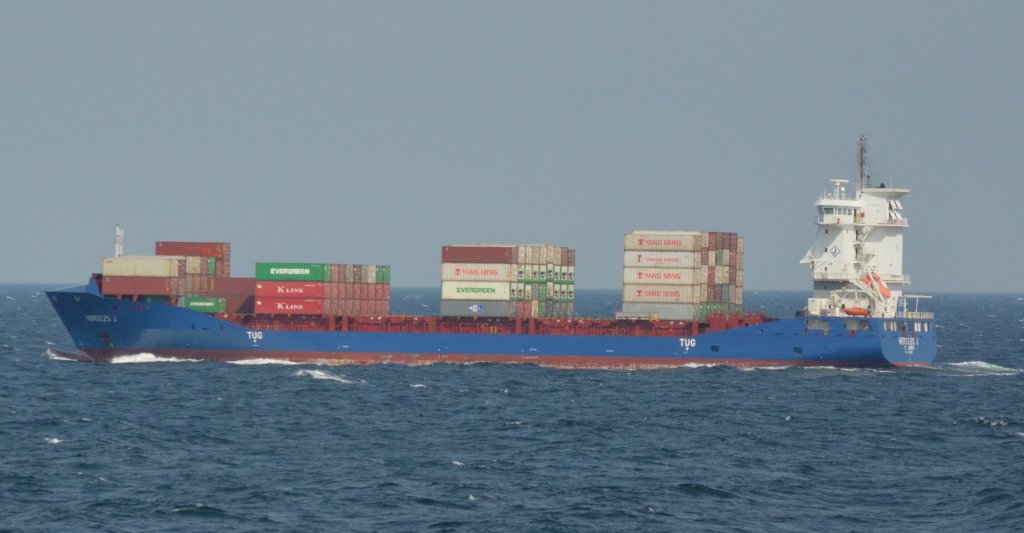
[500,303]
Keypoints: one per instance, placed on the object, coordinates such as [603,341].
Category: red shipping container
[365,291]
[288,306]
[232,286]
[139,285]
[219,250]
[239,304]
[711,275]
[732,277]
[290,289]
[478,254]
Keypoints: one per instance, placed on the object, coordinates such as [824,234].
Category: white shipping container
[660,311]
[477,272]
[667,294]
[196,265]
[662,276]
[661,259]
[157,266]
[666,241]
[722,275]
[475,290]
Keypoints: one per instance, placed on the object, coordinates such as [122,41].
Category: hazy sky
[379,131]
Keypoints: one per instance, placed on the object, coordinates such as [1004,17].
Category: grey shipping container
[481,308]
[663,311]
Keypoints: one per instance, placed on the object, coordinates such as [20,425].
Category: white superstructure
[857,257]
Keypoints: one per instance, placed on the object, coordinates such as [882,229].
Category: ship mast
[118,241]
[862,156]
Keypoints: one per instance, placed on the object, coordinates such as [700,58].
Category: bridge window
[714,348]
[798,350]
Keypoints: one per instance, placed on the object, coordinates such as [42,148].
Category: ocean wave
[148,358]
[262,362]
[320,374]
[996,422]
[54,356]
[699,365]
[978,368]
[868,370]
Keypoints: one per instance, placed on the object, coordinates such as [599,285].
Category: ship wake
[148,358]
[977,368]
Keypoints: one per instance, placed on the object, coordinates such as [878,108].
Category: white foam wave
[868,370]
[54,356]
[991,422]
[320,374]
[418,386]
[53,440]
[699,365]
[753,368]
[262,362]
[458,463]
[981,368]
[148,358]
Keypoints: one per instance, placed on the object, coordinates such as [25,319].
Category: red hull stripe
[370,358]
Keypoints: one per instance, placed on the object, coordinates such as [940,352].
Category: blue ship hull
[104,328]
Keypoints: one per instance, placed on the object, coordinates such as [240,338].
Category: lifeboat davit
[856,311]
[881,285]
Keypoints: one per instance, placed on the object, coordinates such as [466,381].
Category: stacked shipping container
[192,275]
[681,275]
[523,280]
[322,289]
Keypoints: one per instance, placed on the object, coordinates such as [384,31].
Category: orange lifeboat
[881,285]
[856,311]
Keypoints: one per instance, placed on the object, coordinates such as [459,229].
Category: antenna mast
[862,156]
[118,241]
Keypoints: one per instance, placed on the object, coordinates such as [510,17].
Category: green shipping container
[383,274]
[204,304]
[154,299]
[293,272]
[211,266]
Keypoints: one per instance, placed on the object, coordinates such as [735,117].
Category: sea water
[153,443]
